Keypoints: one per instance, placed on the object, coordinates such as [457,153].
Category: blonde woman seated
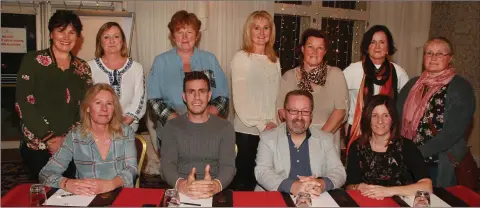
[380,163]
[102,148]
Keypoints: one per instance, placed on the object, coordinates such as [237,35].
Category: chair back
[141,146]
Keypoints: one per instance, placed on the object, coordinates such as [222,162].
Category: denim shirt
[166,78]
[121,159]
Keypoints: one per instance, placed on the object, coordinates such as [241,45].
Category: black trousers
[247,145]
[35,160]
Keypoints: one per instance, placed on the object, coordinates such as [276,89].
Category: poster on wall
[14,40]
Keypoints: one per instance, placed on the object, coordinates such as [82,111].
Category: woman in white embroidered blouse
[255,84]
[113,66]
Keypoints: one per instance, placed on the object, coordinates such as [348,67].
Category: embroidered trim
[120,73]
[141,105]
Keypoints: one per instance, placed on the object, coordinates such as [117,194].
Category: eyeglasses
[295,112]
[438,55]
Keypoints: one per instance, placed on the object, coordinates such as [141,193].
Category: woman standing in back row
[165,82]
[50,85]
[436,110]
[255,84]
[113,66]
[374,74]
[326,83]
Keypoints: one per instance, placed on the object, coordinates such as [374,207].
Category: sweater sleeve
[34,125]
[169,155]
[137,107]
[226,163]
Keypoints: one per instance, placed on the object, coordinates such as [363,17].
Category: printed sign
[14,40]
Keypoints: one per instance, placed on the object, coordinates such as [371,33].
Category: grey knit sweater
[459,110]
[186,145]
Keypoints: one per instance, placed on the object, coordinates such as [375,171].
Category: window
[19,35]
[343,22]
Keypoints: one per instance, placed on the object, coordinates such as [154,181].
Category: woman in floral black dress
[380,163]
[50,85]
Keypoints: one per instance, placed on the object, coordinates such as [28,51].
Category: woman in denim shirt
[165,82]
[102,148]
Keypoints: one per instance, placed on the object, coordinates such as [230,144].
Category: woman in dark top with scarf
[375,74]
[50,85]
[380,163]
[436,110]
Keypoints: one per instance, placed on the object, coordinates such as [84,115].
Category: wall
[459,22]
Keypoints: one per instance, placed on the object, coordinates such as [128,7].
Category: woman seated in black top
[380,163]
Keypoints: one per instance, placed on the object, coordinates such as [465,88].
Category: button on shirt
[299,164]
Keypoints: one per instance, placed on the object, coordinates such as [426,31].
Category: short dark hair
[367,38]
[195,75]
[366,122]
[298,93]
[312,32]
[62,18]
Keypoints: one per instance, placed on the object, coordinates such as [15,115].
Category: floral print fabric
[432,121]
[48,97]
[383,168]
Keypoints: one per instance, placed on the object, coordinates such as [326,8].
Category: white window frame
[316,12]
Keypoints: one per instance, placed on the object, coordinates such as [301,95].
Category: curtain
[409,23]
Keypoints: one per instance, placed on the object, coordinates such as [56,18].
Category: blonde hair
[247,37]
[115,125]
[99,52]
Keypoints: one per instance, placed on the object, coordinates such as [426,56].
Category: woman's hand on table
[99,186]
[378,192]
[79,187]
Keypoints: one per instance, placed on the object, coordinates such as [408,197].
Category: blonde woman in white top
[255,84]
[113,66]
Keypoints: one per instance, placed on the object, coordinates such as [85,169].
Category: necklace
[105,142]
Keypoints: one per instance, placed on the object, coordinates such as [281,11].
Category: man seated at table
[196,146]
[295,158]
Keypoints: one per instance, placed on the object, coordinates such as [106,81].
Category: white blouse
[255,86]
[129,84]
[354,75]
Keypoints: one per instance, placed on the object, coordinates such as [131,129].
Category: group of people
[285,133]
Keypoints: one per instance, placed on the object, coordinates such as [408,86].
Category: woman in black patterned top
[50,85]
[380,163]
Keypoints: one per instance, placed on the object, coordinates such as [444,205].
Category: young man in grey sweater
[198,149]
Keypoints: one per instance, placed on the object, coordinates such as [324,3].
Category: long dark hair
[366,122]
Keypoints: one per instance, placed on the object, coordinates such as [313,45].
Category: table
[136,197]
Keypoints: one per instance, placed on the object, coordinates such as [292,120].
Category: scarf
[417,100]
[385,77]
[317,76]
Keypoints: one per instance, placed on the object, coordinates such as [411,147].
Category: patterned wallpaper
[460,23]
